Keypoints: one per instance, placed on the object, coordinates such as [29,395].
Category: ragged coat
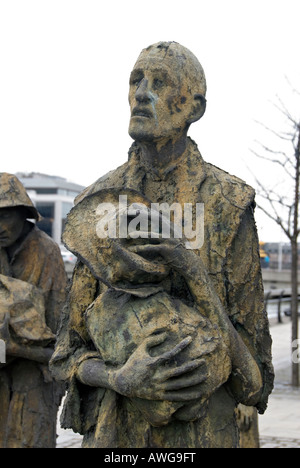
[29,396]
[231,256]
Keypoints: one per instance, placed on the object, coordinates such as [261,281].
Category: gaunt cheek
[175,103]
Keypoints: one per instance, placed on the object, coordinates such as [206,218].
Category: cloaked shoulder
[233,190]
[103,182]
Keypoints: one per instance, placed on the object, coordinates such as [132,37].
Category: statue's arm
[41,354]
[246,380]
[148,377]
[243,324]
[142,375]
[72,345]
[34,353]
[245,303]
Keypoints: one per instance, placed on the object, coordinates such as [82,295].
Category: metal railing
[279,297]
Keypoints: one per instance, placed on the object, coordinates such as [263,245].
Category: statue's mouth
[141,112]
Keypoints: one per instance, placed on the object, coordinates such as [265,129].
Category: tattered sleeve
[75,346]
[245,299]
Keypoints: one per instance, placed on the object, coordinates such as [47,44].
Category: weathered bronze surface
[160,343]
[32,294]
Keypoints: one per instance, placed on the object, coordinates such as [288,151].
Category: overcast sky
[65,66]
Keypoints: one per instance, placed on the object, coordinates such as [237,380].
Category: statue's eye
[157,83]
[136,82]
[136,79]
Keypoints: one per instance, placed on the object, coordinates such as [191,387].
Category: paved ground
[67,439]
[280,425]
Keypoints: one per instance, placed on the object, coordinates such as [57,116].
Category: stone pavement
[67,439]
[279,427]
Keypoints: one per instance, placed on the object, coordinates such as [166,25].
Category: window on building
[66,207]
[45,191]
[46,210]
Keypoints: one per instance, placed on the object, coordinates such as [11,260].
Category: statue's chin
[140,134]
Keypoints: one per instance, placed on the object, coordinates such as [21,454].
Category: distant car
[67,256]
[288,312]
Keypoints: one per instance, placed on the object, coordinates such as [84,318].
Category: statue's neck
[162,154]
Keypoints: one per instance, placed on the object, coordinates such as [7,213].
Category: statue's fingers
[186,382]
[145,249]
[183,369]
[174,351]
[153,238]
[154,340]
[183,395]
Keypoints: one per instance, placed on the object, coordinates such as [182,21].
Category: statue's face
[11,225]
[161,101]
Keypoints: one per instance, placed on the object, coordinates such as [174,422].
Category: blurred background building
[277,255]
[53,197]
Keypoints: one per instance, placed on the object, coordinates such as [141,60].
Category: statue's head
[12,222]
[167,92]
[15,208]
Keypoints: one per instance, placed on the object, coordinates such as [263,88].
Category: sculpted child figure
[160,343]
[143,310]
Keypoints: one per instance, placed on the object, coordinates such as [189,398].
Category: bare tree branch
[291,86]
[266,194]
[288,160]
[276,219]
[283,109]
[269,150]
[282,137]
[277,161]
[279,203]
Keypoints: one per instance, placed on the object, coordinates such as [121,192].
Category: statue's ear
[198,108]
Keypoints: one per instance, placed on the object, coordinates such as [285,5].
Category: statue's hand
[5,335]
[4,330]
[14,349]
[148,377]
[173,251]
[169,244]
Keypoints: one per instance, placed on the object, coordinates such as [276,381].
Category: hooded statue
[13,194]
[32,294]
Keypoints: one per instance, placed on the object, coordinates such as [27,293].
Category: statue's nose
[142,93]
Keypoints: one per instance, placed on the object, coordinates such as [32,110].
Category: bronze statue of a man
[32,294]
[160,339]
